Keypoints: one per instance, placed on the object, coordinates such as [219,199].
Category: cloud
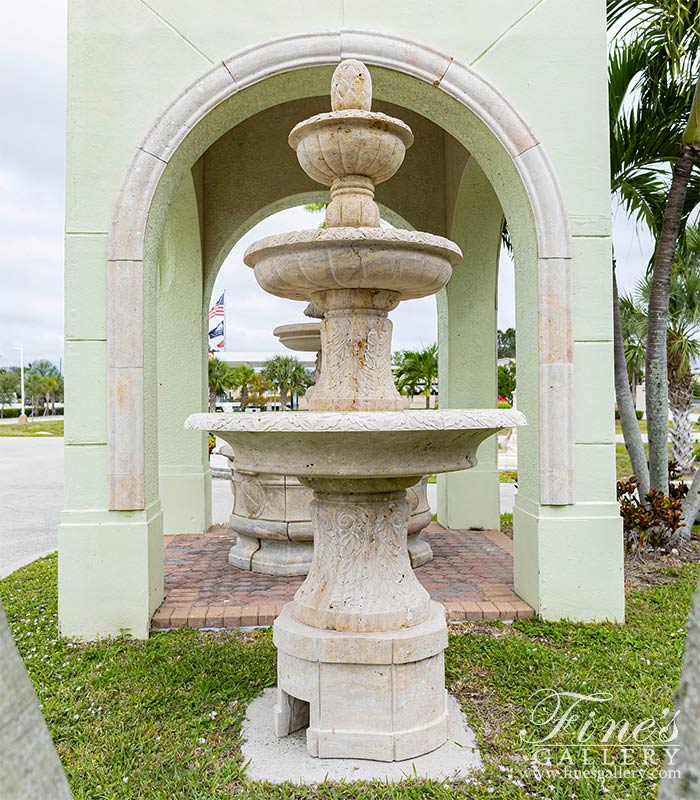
[32,147]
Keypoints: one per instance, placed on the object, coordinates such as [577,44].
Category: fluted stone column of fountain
[272,513]
[360,649]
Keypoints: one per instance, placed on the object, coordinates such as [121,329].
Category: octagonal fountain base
[360,695]
[286,760]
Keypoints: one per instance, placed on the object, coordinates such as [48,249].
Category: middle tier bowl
[357,446]
[297,265]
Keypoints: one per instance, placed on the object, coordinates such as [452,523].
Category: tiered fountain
[360,648]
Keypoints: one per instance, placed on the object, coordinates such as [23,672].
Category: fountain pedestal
[360,649]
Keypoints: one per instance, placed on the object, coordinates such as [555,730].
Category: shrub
[653,522]
[638,412]
[506,380]
[13,413]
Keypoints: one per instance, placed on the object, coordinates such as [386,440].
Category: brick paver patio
[471,574]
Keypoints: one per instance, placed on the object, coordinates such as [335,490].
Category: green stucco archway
[159,223]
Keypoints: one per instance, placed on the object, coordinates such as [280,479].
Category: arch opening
[471,115]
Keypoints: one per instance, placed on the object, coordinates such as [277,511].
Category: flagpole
[224,320]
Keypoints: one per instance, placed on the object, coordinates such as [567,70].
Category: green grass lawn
[40,426]
[642,426]
[162,719]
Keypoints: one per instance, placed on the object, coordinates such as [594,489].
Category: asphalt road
[31,498]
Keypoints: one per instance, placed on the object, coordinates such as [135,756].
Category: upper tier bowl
[350,142]
[298,264]
[357,445]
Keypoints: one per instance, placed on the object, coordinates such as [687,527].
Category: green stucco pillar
[183,459]
[569,560]
[467,327]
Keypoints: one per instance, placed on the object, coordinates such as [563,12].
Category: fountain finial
[351,148]
[351,87]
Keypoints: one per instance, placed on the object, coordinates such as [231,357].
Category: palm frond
[669,30]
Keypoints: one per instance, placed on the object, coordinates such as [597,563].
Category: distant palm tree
[634,343]
[258,391]
[220,380]
[36,388]
[241,377]
[9,388]
[417,372]
[683,345]
[287,374]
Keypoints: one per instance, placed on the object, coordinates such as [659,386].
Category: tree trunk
[212,400]
[625,403]
[283,398]
[691,506]
[687,757]
[656,358]
[244,398]
[427,400]
[680,392]
[29,765]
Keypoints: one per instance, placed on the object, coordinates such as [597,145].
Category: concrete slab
[284,760]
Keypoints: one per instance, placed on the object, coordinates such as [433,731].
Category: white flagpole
[224,319]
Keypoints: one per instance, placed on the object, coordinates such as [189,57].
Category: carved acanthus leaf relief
[361,577]
[253,495]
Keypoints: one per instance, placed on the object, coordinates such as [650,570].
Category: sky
[32,174]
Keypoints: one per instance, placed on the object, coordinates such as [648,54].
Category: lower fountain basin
[359,446]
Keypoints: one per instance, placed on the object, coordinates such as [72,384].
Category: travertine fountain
[360,648]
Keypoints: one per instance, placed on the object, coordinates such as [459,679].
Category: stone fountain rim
[343,422]
[329,118]
[346,238]
[298,328]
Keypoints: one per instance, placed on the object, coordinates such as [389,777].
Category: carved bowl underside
[350,142]
[365,447]
[304,337]
[297,265]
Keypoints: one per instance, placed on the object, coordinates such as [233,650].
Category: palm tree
[683,346]
[36,387]
[634,343]
[219,380]
[241,376]
[50,389]
[669,32]
[9,386]
[643,142]
[417,372]
[286,373]
[43,367]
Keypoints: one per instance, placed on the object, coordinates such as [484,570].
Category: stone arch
[517,166]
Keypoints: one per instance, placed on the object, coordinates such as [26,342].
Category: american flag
[217,310]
